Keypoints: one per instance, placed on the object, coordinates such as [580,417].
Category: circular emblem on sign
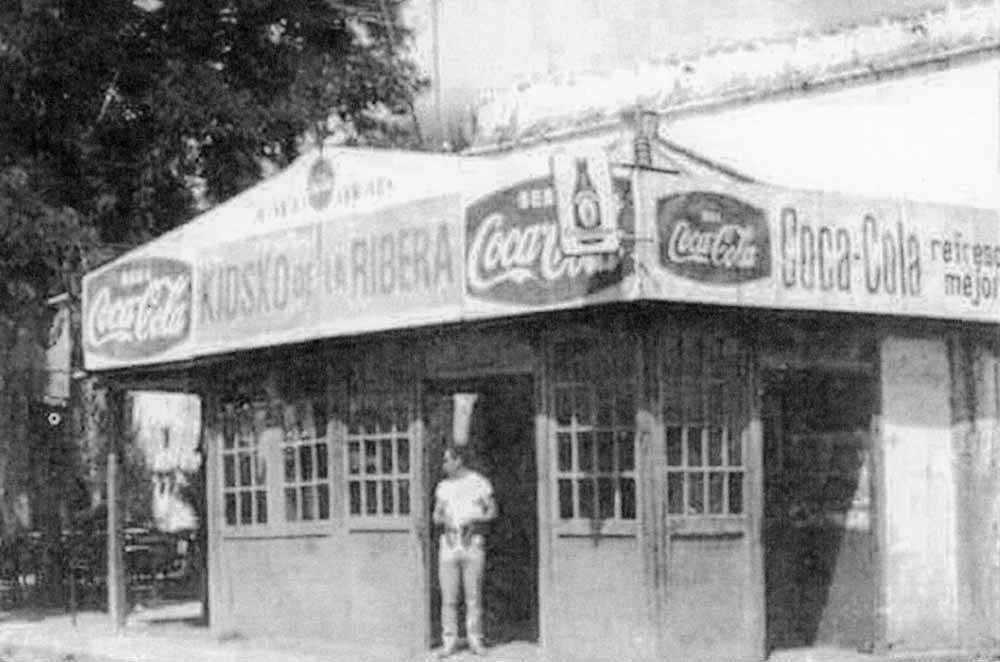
[319,186]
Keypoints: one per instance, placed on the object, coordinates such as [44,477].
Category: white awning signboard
[348,242]
[762,246]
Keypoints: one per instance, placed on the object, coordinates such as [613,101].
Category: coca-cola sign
[138,309]
[513,251]
[713,238]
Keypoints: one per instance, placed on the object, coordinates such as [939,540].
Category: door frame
[425,455]
[657,529]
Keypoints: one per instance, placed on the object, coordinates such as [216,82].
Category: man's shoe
[449,649]
[477,647]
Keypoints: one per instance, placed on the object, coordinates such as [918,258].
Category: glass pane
[275,414]
[624,409]
[735,449]
[714,447]
[228,432]
[354,494]
[605,498]
[671,403]
[246,507]
[404,497]
[402,417]
[387,500]
[291,504]
[290,422]
[319,417]
[261,507]
[371,497]
[736,492]
[675,492]
[353,457]
[565,499]
[229,470]
[565,441]
[583,405]
[628,498]
[371,457]
[308,503]
[306,462]
[403,456]
[605,451]
[605,407]
[322,461]
[716,481]
[289,454]
[323,501]
[230,508]
[675,447]
[626,450]
[586,493]
[696,493]
[386,448]
[585,448]
[260,464]
[694,447]
[243,435]
[246,469]
[564,406]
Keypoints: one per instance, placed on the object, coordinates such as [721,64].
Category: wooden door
[819,563]
[438,406]
[706,499]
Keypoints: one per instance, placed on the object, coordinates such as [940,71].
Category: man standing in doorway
[463,505]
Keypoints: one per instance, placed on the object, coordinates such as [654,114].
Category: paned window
[595,433]
[244,468]
[703,400]
[306,461]
[378,456]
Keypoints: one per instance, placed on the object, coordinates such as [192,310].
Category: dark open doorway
[819,566]
[501,436]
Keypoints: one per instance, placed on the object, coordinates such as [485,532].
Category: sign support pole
[116,564]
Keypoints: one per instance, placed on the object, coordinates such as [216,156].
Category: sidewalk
[171,632]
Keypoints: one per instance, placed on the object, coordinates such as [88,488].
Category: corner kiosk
[732,419]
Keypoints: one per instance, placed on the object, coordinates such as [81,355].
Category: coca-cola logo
[138,309]
[713,238]
[513,251]
[320,184]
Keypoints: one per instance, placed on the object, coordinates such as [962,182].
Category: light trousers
[461,566]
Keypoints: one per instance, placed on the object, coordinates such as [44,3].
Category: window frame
[592,381]
[362,432]
[299,525]
[258,450]
[722,369]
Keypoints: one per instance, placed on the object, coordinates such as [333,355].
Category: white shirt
[464,498]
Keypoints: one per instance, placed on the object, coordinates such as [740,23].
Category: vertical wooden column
[116,563]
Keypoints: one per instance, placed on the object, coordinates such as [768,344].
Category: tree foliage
[126,117]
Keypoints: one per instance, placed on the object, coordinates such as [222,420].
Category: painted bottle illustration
[586,203]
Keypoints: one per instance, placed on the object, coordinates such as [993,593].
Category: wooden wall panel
[920,562]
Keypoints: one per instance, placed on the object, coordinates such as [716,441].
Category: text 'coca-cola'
[513,251]
[713,238]
[138,309]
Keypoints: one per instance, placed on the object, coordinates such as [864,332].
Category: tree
[124,111]
[120,120]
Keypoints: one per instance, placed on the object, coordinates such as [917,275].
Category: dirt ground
[11,654]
